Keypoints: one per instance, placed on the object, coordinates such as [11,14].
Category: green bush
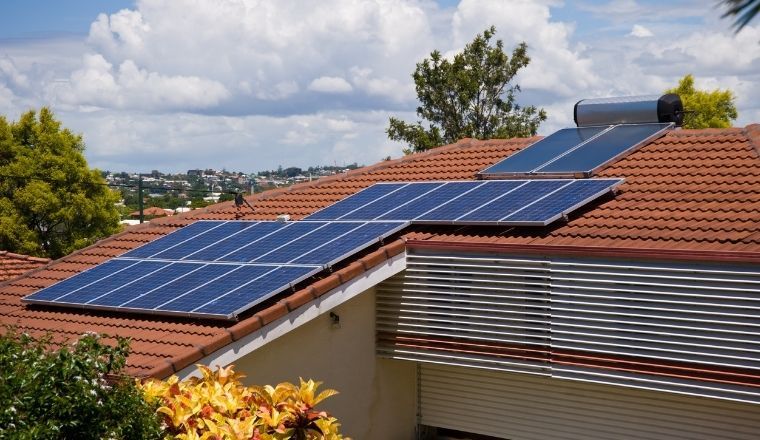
[72,392]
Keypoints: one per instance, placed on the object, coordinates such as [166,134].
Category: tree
[705,109]
[226,197]
[743,11]
[70,391]
[470,96]
[292,171]
[51,203]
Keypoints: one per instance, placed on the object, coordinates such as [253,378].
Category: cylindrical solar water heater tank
[629,110]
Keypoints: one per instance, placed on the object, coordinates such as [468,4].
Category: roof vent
[629,110]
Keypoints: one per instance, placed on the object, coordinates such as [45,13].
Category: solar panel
[183,234]
[534,156]
[221,268]
[489,202]
[501,208]
[271,242]
[359,199]
[578,152]
[214,269]
[559,202]
[604,149]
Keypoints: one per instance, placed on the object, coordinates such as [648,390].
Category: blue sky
[45,18]
[179,84]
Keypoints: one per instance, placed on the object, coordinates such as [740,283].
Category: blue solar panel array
[488,202]
[576,151]
[222,268]
[215,268]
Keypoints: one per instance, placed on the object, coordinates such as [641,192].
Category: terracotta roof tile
[14,265]
[695,190]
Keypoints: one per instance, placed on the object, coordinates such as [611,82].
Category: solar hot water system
[629,110]
[607,130]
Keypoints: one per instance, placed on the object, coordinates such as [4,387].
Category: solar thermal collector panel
[576,152]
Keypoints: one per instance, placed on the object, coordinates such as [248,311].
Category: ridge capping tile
[217,341]
[753,133]
[272,313]
[186,358]
[298,299]
[245,327]
[164,369]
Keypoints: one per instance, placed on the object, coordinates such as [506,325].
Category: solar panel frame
[517,205]
[388,232]
[301,264]
[382,188]
[661,129]
[477,197]
[99,300]
[552,142]
[205,226]
[613,183]
[594,194]
[429,202]
[542,172]
[310,270]
[272,292]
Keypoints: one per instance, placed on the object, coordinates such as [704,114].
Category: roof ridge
[753,134]
[23,257]
[679,132]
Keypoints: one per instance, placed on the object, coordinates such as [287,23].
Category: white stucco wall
[378,396]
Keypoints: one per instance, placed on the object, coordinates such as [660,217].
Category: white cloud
[554,66]
[640,31]
[11,74]
[245,84]
[367,81]
[270,50]
[330,84]
[98,83]
[720,49]
[123,31]
[181,141]
[279,91]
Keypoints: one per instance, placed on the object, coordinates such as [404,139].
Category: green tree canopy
[51,203]
[705,109]
[470,96]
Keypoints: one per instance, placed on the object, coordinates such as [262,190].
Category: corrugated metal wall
[683,328]
[530,407]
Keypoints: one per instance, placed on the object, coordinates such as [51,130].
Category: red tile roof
[14,265]
[689,191]
[152,211]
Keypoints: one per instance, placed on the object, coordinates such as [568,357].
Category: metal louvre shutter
[467,311]
[682,328]
[529,407]
[681,318]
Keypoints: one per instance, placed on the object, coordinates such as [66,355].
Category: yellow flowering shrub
[217,406]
